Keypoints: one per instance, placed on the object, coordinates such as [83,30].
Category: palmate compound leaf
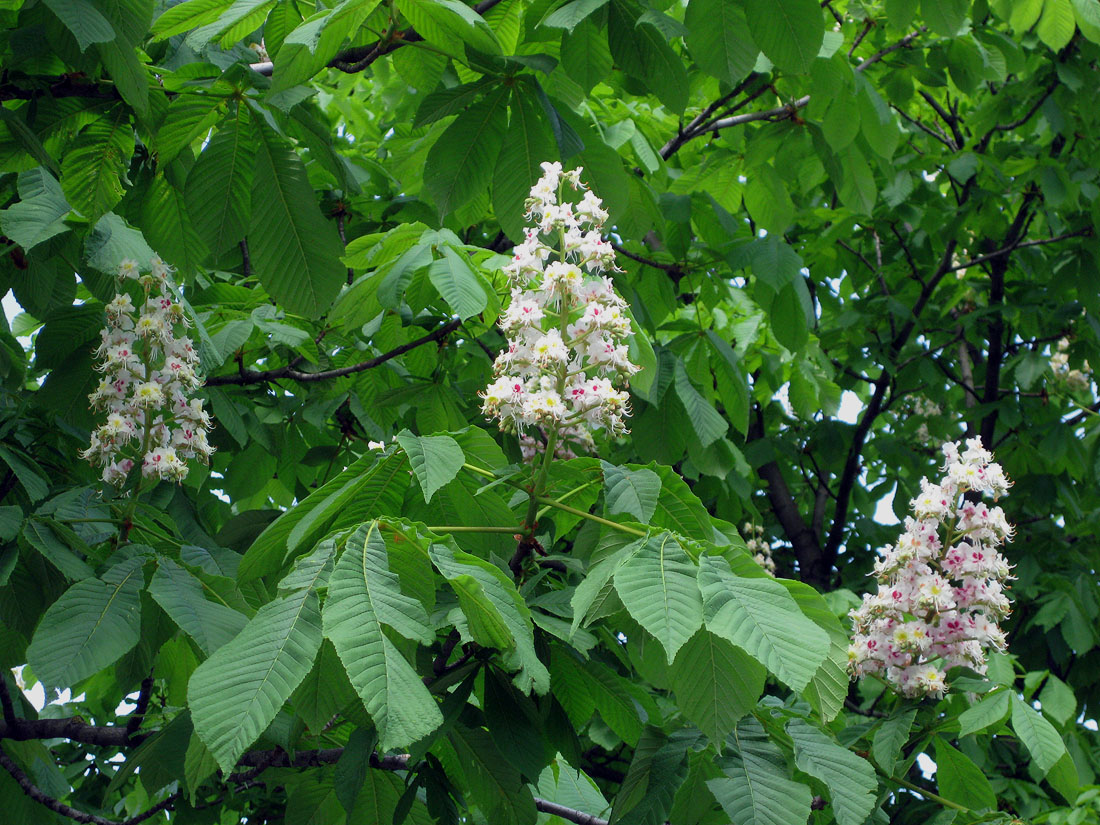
[363,594]
[850,780]
[757,788]
[657,583]
[715,684]
[236,693]
[89,627]
[760,616]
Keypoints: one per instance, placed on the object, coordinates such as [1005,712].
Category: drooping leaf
[657,583]
[1039,736]
[851,780]
[789,32]
[757,788]
[210,623]
[217,193]
[93,167]
[94,623]
[460,164]
[362,595]
[236,693]
[435,459]
[715,684]
[631,491]
[960,780]
[295,250]
[760,617]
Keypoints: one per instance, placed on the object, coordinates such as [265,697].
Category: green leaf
[189,118]
[362,595]
[460,164]
[789,32]
[709,426]
[991,710]
[657,583]
[295,251]
[309,48]
[1039,736]
[641,51]
[186,16]
[449,23]
[960,780]
[27,471]
[719,39]
[1057,24]
[851,780]
[41,536]
[631,491]
[585,54]
[570,14]
[756,788]
[112,241]
[19,130]
[890,737]
[236,693]
[181,596]
[1087,13]
[166,221]
[759,616]
[945,16]
[500,591]
[458,283]
[40,214]
[527,144]
[715,684]
[495,783]
[83,20]
[1058,700]
[93,166]
[678,508]
[218,186]
[435,459]
[90,627]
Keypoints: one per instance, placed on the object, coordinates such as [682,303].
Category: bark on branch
[245,376]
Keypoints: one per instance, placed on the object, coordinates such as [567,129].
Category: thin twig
[246,376]
[44,799]
[1086,231]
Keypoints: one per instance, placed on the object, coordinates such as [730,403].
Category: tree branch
[807,548]
[75,730]
[1008,250]
[1016,124]
[42,798]
[245,376]
[140,706]
[948,118]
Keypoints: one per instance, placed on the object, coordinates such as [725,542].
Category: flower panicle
[566,358]
[149,374]
[941,586]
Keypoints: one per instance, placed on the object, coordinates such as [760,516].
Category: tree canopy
[846,232]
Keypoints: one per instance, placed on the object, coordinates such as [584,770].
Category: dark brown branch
[5,702]
[934,132]
[359,57]
[75,730]
[1016,124]
[626,253]
[807,548]
[1008,250]
[893,47]
[246,259]
[44,799]
[868,24]
[61,87]
[140,706]
[245,376]
[949,119]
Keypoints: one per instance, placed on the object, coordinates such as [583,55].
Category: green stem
[553,502]
[568,494]
[931,797]
[90,520]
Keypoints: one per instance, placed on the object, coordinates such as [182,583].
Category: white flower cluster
[566,326]
[939,601]
[1073,379]
[149,374]
[758,546]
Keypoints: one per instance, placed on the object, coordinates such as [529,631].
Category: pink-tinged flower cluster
[566,359]
[941,586]
[149,374]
